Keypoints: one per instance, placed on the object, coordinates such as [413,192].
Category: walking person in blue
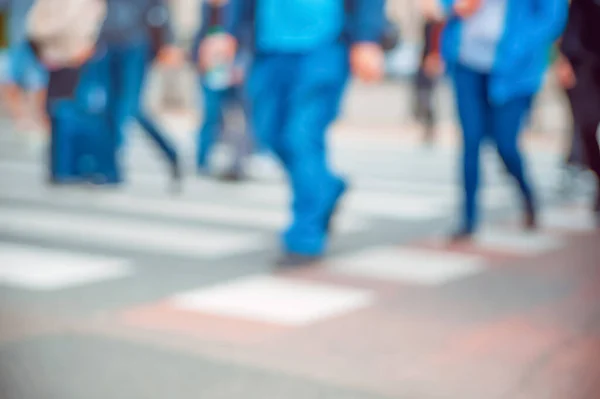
[25,73]
[134,32]
[95,95]
[220,93]
[497,52]
[304,51]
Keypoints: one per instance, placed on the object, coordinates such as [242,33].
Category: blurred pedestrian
[426,79]
[223,93]
[496,52]
[63,35]
[579,71]
[26,75]
[134,33]
[303,54]
[110,72]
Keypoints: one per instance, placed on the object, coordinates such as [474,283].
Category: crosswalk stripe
[47,270]
[275,300]
[411,266]
[184,211]
[115,232]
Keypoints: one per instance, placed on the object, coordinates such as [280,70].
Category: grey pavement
[74,257]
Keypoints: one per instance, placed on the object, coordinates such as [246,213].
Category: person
[221,98]
[106,73]
[497,53]
[426,80]
[134,33]
[26,75]
[579,70]
[303,54]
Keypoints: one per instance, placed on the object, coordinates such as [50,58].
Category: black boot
[463,234]
[292,261]
[530,220]
[176,176]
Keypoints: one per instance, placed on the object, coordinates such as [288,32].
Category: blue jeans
[126,65]
[215,103]
[295,97]
[479,119]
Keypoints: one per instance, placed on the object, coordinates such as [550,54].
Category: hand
[217,48]
[466,8]
[564,73]
[432,10]
[367,61]
[433,65]
[170,56]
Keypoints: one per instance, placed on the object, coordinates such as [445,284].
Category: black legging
[585,102]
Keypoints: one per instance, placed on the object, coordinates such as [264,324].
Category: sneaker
[341,189]
[292,261]
[461,235]
[530,222]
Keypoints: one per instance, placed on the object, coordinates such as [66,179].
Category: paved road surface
[136,293]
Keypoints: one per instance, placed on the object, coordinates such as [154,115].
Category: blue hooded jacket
[530,29]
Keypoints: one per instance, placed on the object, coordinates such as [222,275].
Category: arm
[368,21]
[545,24]
[229,16]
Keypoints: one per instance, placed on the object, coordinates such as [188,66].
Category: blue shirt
[481,34]
[298,25]
[17,24]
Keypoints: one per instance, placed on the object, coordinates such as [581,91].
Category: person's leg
[13,90]
[313,103]
[586,102]
[507,124]
[267,91]
[158,137]
[470,90]
[211,126]
[235,133]
[129,65]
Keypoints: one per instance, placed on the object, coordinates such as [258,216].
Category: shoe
[232,176]
[335,205]
[530,222]
[176,177]
[462,235]
[292,261]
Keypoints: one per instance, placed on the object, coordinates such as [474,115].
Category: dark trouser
[157,137]
[575,153]
[220,107]
[127,66]
[501,122]
[424,95]
[585,102]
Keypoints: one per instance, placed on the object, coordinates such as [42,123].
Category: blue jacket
[530,30]
[365,20]
[135,21]
[17,10]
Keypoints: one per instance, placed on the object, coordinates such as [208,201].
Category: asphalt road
[137,293]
